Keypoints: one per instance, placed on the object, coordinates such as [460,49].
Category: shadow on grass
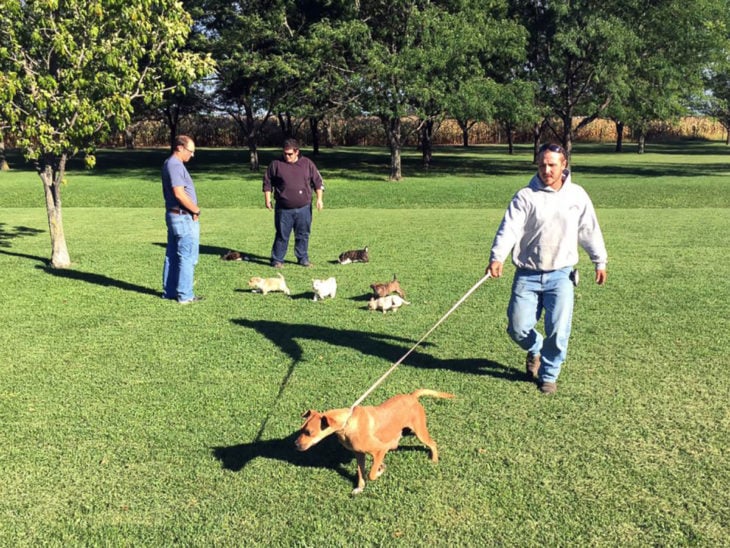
[8,234]
[385,347]
[326,454]
[98,279]
[220,251]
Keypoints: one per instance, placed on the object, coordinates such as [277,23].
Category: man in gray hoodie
[542,227]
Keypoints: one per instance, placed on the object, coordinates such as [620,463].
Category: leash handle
[441,320]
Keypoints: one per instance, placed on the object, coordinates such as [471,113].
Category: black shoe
[192,301]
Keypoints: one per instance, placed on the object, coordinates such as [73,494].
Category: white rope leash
[396,364]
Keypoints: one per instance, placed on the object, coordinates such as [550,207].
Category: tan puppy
[393,286]
[390,302]
[371,430]
[267,285]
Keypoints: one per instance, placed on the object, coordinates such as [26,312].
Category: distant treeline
[216,131]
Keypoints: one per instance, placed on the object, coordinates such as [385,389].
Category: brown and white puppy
[354,256]
[267,285]
[389,302]
[324,288]
[234,256]
[383,289]
[369,430]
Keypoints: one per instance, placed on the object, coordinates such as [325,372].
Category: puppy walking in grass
[369,430]
[324,288]
[267,285]
[389,302]
[385,289]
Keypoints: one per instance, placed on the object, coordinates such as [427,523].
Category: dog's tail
[431,393]
[280,275]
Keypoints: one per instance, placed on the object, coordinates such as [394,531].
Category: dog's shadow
[326,454]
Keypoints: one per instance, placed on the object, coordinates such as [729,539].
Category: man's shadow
[221,251]
[327,454]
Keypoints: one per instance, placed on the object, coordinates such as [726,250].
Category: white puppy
[390,302]
[266,285]
[324,288]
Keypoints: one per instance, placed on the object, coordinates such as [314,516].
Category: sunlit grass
[128,420]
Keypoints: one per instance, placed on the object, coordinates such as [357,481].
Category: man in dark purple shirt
[291,179]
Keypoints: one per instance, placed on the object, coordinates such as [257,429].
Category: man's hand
[601,276]
[495,269]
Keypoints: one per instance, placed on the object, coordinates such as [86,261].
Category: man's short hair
[291,143]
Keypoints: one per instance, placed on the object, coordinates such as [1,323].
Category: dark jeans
[298,220]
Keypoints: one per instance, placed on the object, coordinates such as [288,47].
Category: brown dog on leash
[371,430]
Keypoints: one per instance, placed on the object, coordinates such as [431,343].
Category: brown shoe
[548,387]
[277,264]
[532,365]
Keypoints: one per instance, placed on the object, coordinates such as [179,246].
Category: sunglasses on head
[552,148]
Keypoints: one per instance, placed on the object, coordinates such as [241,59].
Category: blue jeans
[532,293]
[298,220]
[181,256]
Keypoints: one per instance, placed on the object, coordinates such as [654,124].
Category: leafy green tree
[252,44]
[72,70]
[717,102]
[578,57]
[669,63]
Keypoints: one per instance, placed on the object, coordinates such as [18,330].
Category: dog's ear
[307,414]
[325,422]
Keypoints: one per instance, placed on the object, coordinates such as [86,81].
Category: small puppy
[354,256]
[266,285]
[389,302]
[393,286]
[371,430]
[324,288]
[233,256]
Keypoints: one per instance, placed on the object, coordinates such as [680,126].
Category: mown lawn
[129,420]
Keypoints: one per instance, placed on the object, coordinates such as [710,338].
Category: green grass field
[129,420]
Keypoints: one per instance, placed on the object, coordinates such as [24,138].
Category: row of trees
[74,71]
[537,62]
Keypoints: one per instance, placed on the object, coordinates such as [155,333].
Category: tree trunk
[619,136]
[52,174]
[427,143]
[3,161]
[464,125]
[393,133]
[253,153]
[568,133]
[510,131]
[641,143]
[314,130]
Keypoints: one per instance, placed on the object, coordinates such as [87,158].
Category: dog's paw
[357,490]
[380,471]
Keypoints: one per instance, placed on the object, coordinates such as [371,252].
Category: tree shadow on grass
[98,279]
[386,347]
[326,454]
[8,234]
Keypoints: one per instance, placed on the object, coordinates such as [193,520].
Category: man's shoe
[548,387]
[532,365]
[306,264]
[192,301]
[277,264]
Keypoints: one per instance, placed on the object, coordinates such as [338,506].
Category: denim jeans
[298,220]
[181,256]
[532,293]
